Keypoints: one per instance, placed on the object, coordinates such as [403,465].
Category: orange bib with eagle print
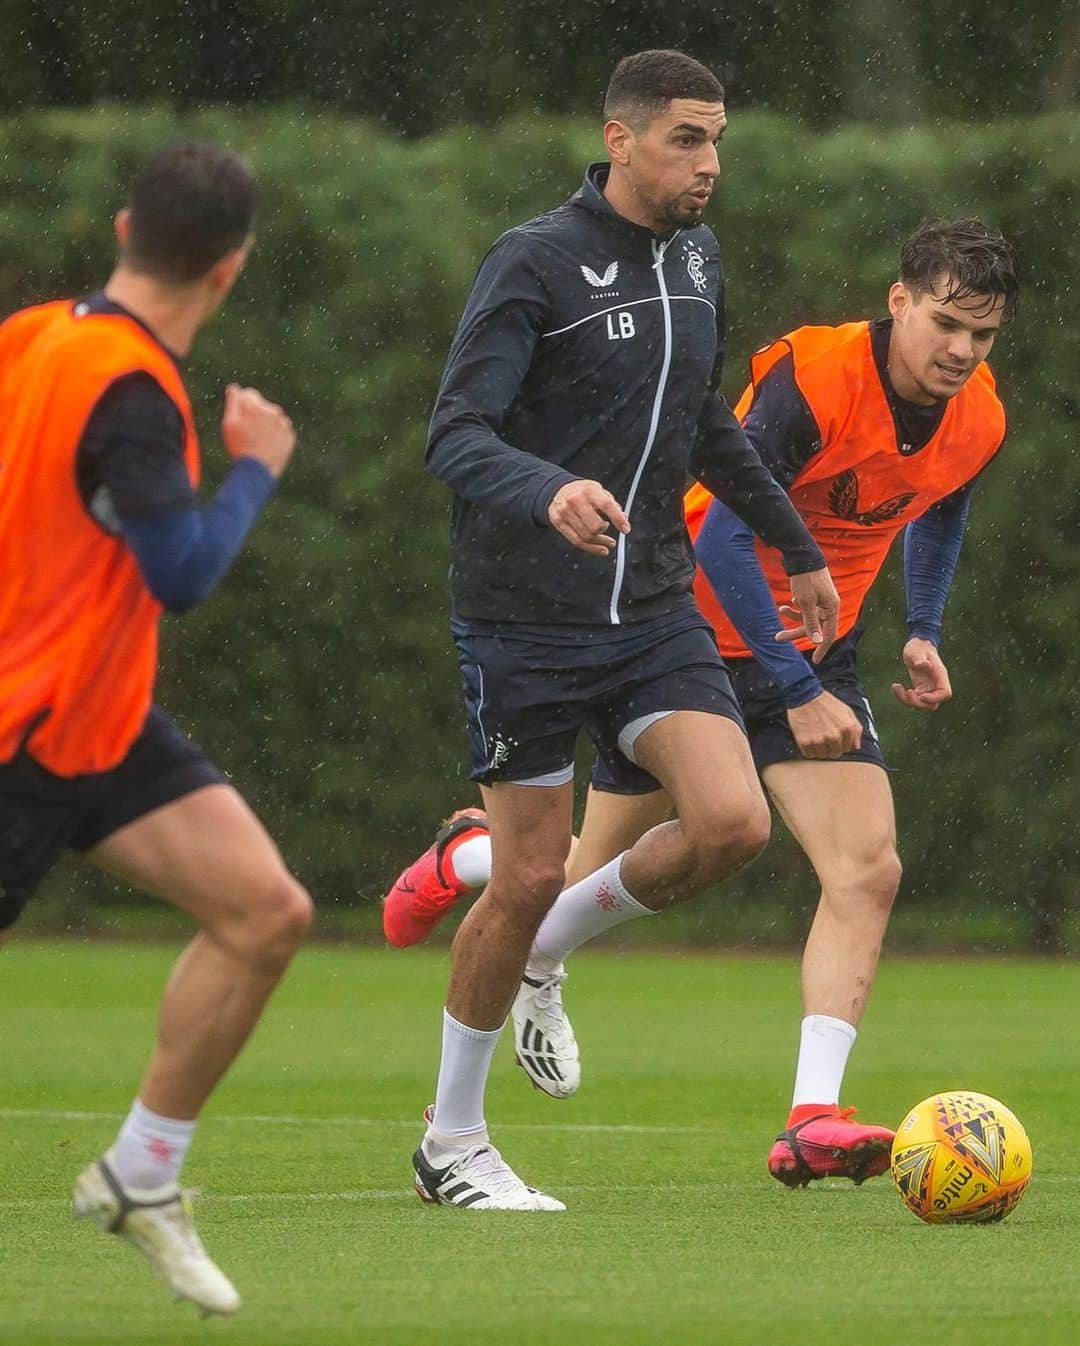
[861,487]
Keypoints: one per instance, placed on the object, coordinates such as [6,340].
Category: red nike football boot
[823,1142]
[426,891]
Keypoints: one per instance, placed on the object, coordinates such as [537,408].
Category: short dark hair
[190,205]
[976,260]
[644,84]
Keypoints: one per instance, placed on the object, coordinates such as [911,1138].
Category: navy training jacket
[591,348]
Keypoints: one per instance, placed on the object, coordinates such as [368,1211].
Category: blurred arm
[135,483]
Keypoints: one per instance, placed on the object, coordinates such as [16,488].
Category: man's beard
[688,219]
[675,216]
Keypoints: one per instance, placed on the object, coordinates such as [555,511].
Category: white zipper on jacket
[658,250]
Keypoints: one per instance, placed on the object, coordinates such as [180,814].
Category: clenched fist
[825,727]
[253,427]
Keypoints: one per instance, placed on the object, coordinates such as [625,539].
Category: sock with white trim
[150,1150]
[586,909]
[824,1046]
[458,1120]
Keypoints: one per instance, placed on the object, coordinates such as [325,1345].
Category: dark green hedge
[422,66]
[321,675]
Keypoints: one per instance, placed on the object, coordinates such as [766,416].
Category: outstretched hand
[930,686]
[815,606]
[582,512]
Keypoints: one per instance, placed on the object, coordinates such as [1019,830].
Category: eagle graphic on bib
[844,502]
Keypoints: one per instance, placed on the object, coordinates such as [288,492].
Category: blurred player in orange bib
[101,530]
[875,428]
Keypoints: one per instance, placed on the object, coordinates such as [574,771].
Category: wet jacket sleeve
[931,550]
[487,365]
[728,466]
[725,552]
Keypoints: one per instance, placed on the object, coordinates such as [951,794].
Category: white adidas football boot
[479,1179]
[159,1224]
[546,1047]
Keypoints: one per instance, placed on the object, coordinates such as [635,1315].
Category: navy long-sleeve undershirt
[931,550]
[183,553]
[134,481]
[727,557]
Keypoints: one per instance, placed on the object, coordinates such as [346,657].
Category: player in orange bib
[875,428]
[100,531]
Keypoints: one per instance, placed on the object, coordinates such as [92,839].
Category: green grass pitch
[674,1233]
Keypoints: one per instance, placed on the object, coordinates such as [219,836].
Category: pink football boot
[823,1142]
[426,891]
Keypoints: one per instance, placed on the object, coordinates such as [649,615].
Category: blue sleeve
[488,361]
[183,552]
[931,550]
[726,555]
[780,424]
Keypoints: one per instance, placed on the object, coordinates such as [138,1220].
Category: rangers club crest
[695,269]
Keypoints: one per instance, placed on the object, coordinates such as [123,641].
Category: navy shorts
[42,815]
[771,740]
[529,692]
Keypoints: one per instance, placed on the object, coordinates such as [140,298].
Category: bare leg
[630,863]
[841,814]
[704,763]
[612,824]
[208,854]
[530,836]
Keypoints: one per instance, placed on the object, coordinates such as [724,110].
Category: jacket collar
[590,196]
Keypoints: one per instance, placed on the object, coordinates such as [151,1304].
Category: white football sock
[471,860]
[597,903]
[458,1121]
[823,1052]
[150,1150]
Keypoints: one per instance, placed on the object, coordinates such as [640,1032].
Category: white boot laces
[488,1170]
[548,1001]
